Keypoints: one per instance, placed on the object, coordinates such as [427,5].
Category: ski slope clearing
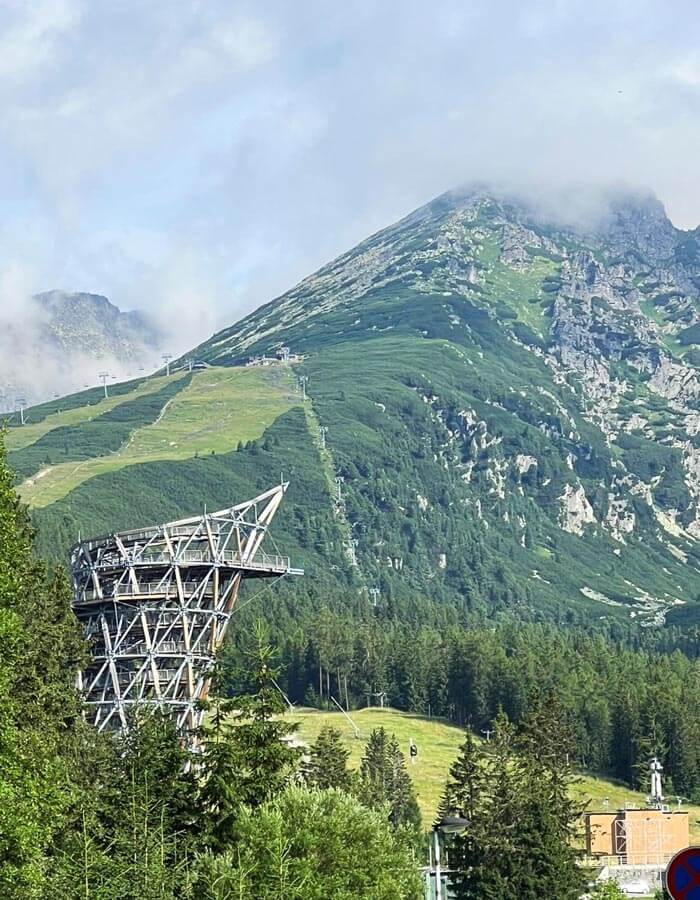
[438,744]
[217,410]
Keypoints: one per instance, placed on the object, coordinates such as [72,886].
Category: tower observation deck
[155,604]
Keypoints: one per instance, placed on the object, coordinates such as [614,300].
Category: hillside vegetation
[162,419]
[438,743]
[510,406]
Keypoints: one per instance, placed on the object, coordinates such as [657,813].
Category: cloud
[39,361]
[205,156]
[31,37]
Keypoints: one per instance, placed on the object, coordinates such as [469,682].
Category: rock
[575,510]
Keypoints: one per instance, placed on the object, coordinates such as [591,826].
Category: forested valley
[627,695]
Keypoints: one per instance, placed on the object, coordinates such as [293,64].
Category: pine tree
[385,782]
[546,744]
[464,797]
[133,831]
[41,649]
[248,758]
[312,845]
[327,766]
[514,793]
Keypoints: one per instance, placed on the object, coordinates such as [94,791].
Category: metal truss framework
[155,604]
[647,836]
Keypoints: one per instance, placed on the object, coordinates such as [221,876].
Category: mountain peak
[76,335]
[510,391]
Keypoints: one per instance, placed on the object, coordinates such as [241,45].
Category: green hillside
[508,410]
[499,440]
[509,405]
[438,743]
[208,412]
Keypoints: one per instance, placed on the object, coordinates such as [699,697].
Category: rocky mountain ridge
[75,335]
[78,318]
[612,312]
[501,416]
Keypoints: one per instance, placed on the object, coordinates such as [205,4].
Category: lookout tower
[155,604]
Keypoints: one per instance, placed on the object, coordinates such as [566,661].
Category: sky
[195,159]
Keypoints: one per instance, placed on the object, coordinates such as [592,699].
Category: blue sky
[197,158]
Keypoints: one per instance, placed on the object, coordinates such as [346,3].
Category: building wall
[653,835]
[641,836]
[600,834]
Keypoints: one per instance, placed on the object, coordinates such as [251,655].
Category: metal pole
[438,874]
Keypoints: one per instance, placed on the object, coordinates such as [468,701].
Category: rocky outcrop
[575,510]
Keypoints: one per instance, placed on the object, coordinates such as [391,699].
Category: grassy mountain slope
[511,415]
[438,744]
[554,460]
[210,411]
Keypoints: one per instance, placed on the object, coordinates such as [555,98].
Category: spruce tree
[41,649]
[385,782]
[327,766]
[514,793]
[248,757]
[546,744]
[132,834]
[465,796]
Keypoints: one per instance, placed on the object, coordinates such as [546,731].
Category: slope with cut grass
[218,409]
[438,744]
[41,420]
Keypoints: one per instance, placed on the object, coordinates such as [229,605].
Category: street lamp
[446,825]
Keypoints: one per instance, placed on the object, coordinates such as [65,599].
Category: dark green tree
[547,743]
[327,766]
[248,757]
[40,651]
[384,781]
[513,793]
[465,794]
[132,834]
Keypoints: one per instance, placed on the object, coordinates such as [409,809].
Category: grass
[20,437]
[97,437]
[218,409]
[438,743]
[518,288]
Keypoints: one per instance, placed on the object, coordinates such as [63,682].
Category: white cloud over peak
[219,151]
